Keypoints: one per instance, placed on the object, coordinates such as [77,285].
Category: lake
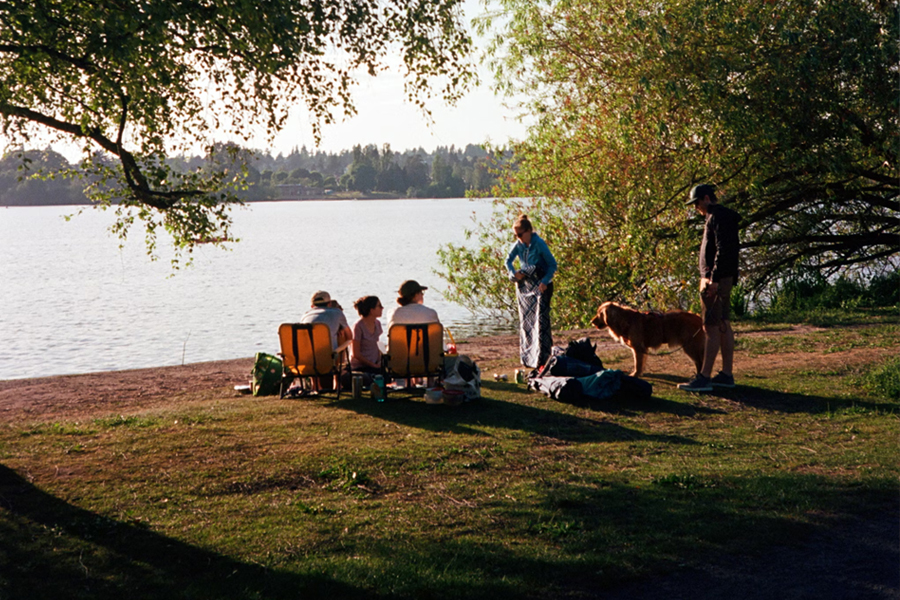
[72,301]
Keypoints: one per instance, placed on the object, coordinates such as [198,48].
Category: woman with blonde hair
[534,289]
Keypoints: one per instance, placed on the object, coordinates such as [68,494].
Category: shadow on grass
[473,417]
[788,402]
[634,406]
[622,404]
[597,537]
[53,549]
[569,540]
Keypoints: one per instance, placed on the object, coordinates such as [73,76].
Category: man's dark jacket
[720,245]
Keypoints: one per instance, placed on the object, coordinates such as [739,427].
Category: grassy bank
[227,496]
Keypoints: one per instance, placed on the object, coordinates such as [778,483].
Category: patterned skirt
[535,337]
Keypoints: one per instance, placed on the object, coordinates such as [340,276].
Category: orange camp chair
[414,350]
[307,354]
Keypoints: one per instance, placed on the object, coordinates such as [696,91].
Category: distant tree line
[45,177]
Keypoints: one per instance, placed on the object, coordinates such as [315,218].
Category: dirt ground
[71,397]
[853,559]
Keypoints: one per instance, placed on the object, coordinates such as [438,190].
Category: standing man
[718,273]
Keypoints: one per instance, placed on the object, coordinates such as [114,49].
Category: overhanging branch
[134,177]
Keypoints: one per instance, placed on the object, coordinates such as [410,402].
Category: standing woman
[534,289]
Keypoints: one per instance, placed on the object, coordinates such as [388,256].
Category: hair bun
[523,223]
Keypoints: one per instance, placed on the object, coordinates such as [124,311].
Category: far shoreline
[340,197]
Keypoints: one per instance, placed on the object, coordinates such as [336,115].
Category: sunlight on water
[72,301]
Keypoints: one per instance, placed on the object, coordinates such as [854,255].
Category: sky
[384,116]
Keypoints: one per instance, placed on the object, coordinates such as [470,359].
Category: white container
[434,396]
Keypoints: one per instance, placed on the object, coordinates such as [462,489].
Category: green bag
[266,376]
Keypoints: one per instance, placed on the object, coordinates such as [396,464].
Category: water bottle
[378,388]
[520,376]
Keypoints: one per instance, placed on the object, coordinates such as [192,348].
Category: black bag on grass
[634,388]
[563,389]
[582,349]
[566,366]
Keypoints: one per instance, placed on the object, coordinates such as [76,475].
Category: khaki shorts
[717,309]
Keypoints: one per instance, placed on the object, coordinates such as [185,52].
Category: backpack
[566,366]
[582,349]
[463,374]
[265,379]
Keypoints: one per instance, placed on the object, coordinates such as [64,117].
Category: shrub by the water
[884,290]
[810,290]
[885,380]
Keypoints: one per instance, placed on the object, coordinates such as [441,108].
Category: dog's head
[600,321]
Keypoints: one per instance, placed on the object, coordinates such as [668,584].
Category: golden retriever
[645,331]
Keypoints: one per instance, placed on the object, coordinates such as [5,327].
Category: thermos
[357,387]
[378,388]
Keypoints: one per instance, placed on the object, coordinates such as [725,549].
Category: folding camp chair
[307,354]
[414,350]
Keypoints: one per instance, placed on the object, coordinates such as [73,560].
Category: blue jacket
[535,254]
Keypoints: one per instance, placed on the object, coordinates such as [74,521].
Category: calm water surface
[72,301]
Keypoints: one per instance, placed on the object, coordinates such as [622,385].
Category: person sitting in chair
[365,355]
[325,310]
[412,310]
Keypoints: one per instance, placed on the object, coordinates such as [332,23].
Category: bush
[739,301]
[798,292]
[809,290]
[885,380]
[884,290]
[844,293]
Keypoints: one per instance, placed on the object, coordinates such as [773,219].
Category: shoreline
[483,348]
[361,198]
[491,342]
[86,395]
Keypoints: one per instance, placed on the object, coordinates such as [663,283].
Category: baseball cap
[410,288]
[321,297]
[698,192]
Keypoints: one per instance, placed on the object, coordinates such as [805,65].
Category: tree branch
[134,177]
[825,242]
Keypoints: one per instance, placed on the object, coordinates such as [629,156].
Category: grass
[513,495]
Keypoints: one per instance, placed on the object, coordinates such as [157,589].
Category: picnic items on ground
[265,378]
[462,374]
[573,380]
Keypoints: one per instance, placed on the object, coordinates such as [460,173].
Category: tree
[444,183]
[361,177]
[27,178]
[790,107]
[391,179]
[417,173]
[144,79]
[299,174]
